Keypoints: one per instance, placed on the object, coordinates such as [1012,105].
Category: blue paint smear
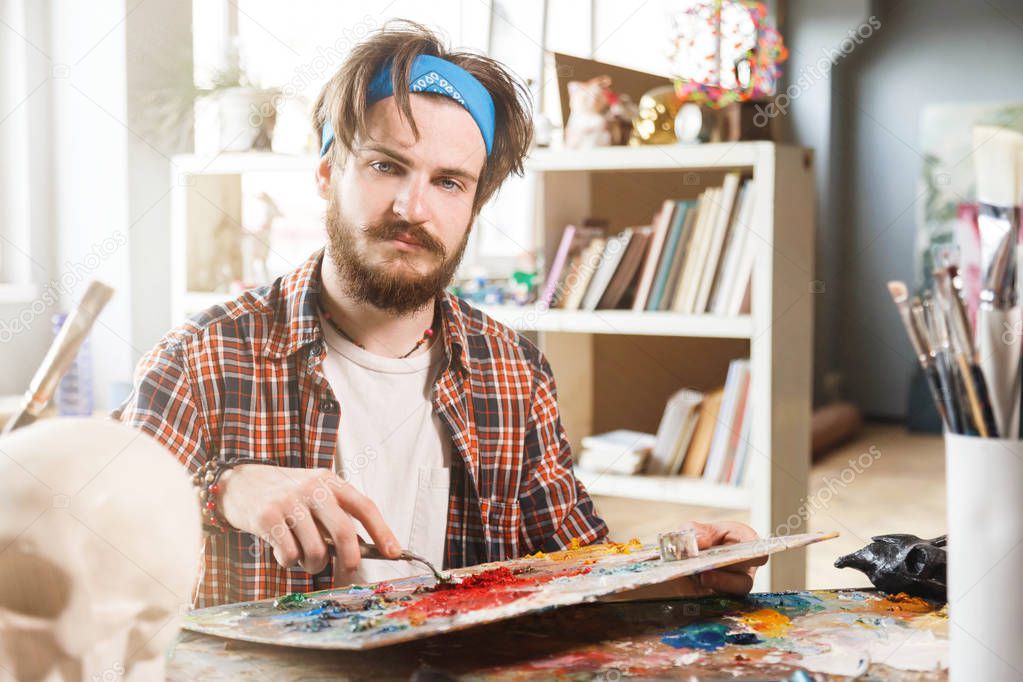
[703,636]
[743,638]
[788,603]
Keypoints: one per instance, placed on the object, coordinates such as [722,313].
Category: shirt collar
[298,321]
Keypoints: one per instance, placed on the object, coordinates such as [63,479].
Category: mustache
[399,229]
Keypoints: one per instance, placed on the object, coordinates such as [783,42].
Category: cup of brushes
[973,372]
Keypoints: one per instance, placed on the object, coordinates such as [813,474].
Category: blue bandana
[433,74]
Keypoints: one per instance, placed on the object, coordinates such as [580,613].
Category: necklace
[427,334]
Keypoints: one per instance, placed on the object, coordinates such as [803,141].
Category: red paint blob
[483,590]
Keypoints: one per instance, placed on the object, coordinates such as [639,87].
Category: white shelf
[532,318]
[652,157]
[676,489]
[237,163]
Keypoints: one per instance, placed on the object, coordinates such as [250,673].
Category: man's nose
[410,203]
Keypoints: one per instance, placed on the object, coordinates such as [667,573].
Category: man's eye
[449,184]
[383,166]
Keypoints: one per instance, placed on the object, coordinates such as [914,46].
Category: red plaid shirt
[245,379]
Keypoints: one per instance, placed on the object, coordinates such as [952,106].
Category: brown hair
[343,97]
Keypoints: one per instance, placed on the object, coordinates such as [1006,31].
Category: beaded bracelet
[207,480]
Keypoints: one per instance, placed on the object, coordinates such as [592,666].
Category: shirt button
[314,352]
[328,406]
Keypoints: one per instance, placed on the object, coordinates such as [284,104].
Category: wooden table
[762,637]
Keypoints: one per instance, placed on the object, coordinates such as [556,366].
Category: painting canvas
[370,616]
[947,178]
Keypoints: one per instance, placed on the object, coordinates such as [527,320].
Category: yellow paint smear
[902,602]
[577,550]
[768,622]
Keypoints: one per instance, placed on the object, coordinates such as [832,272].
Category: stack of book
[706,435]
[617,452]
[696,257]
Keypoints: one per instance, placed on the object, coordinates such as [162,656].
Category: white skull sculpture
[99,545]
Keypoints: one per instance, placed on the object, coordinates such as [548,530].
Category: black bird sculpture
[903,563]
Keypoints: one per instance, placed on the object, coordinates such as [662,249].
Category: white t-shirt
[392,447]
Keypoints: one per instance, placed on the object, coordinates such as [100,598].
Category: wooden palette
[369,616]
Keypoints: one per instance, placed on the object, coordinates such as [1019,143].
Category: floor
[900,490]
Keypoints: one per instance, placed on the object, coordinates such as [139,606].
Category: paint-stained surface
[832,635]
[370,616]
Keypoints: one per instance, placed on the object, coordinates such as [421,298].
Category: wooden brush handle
[61,354]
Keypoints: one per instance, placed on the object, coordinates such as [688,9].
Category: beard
[393,285]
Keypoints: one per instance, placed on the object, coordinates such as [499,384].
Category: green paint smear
[290,601]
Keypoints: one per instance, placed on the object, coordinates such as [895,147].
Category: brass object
[655,123]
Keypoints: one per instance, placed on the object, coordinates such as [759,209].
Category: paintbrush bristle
[898,291]
[998,160]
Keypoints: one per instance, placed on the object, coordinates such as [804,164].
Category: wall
[923,53]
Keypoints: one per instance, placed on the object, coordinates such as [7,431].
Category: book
[738,299]
[622,451]
[678,216]
[583,267]
[699,447]
[628,270]
[653,255]
[620,440]
[606,462]
[580,238]
[692,268]
[614,250]
[682,443]
[716,239]
[738,372]
[678,258]
[557,266]
[738,472]
[734,441]
[673,423]
[738,234]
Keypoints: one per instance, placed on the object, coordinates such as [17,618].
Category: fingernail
[393,548]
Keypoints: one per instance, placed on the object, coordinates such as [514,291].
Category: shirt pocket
[430,514]
[502,519]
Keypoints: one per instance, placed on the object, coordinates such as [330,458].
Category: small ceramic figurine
[903,563]
[587,123]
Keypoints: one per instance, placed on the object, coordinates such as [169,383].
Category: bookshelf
[616,368]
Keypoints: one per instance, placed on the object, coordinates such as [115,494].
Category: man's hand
[734,579]
[296,509]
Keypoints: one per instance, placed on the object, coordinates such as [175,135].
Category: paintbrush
[960,321]
[918,339]
[941,346]
[60,355]
[998,155]
[962,350]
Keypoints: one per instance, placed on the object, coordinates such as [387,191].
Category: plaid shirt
[245,379]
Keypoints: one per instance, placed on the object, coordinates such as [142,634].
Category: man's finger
[362,508]
[312,546]
[338,526]
[726,581]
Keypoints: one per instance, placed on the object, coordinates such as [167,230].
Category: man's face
[399,209]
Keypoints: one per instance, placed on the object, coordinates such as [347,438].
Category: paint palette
[369,616]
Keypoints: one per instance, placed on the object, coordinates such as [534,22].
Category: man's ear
[323,172]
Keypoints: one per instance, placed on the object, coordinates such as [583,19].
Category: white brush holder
[985,557]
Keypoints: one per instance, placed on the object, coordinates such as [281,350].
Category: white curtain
[25,72]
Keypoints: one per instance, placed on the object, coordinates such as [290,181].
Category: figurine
[903,563]
[587,123]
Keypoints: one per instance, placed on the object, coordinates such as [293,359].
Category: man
[354,398]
